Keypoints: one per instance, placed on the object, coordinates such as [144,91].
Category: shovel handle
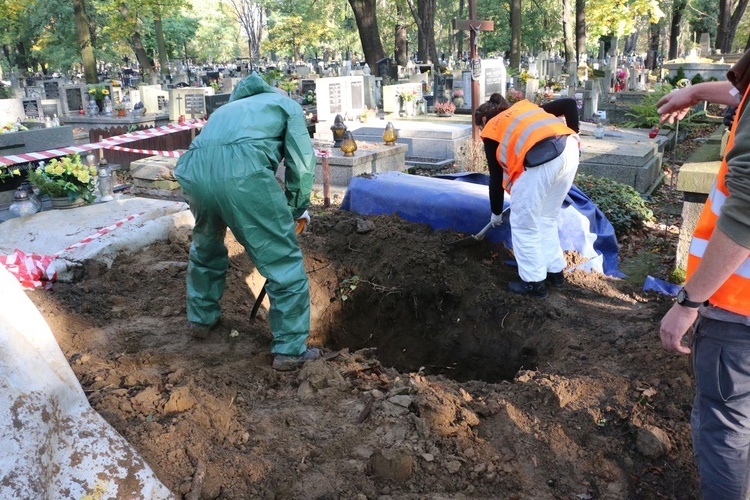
[480,234]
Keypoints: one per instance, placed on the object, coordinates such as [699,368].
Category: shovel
[300,225]
[475,238]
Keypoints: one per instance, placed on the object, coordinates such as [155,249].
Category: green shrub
[6,92]
[624,207]
[644,114]
[698,78]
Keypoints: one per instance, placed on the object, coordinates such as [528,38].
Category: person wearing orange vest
[715,299]
[533,155]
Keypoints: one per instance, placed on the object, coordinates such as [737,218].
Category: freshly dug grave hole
[385,283]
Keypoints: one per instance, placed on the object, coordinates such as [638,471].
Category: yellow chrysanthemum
[83,177]
[49,169]
[16,171]
[58,170]
[105,92]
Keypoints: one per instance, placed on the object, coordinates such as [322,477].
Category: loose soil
[437,383]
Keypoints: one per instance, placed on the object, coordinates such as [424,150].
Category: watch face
[681,296]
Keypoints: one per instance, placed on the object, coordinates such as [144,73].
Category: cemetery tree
[424,17]
[369,35]
[250,16]
[618,18]
[401,43]
[580,30]
[678,7]
[568,25]
[84,41]
[728,22]
[515,33]
[654,38]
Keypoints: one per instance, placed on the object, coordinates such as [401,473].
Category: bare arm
[676,104]
[722,257]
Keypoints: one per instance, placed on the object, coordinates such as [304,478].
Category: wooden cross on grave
[474,26]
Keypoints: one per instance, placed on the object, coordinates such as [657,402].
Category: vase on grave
[64,202]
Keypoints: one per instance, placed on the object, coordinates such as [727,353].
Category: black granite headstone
[31,107]
[51,89]
[75,99]
[493,81]
[443,88]
[214,102]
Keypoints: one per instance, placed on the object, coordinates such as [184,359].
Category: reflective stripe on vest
[517,130]
[734,294]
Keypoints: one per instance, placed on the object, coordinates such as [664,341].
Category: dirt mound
[437,382]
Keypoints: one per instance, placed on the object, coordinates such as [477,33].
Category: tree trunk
[580,30]
[678,7]
[147,65]
[724,21]
[426,32]
[84,42]
[161,46]
[653,45]
[515,34]
[369,36]
[460,33]
[401,42]
[568,36]
[734,21]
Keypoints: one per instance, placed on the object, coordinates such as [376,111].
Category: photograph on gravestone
[51,89]
[195,103]
[443,88]
[357,95]
[50,109]
[31,107]
[334,98]
[75,99]
[161,102]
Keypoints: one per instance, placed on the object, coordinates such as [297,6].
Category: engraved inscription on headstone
[443,88]
[31,107]
[34,92]
[334,97]
[195,103]
[161,102]
[357,94]
[51,89]
[493,80]
[75,101]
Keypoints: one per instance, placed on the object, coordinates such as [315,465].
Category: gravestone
[32,108]
[705,44]
[442,88]
[52,89]
[543,65]
[591,98]
[51,107]
[34,92]
[533,67]
[32,141]
[214,102]
[339,95]
[371,90]
[74,98]
[493,78]
[306,86]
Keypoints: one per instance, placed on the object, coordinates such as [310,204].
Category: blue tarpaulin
[461,203]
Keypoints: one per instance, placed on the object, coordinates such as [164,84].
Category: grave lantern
[389,134]
[105,181]
[349,145]
[338,128]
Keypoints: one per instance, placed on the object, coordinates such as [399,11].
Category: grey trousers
[720,419]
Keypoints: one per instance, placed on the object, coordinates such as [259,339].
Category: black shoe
[200,331]
[535,288]
[555,279]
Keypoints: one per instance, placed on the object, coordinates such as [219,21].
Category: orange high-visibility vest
[518,129]
[734,294]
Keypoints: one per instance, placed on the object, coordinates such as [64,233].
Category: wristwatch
[682,299]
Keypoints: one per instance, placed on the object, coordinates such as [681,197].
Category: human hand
[496,220]
[674,325]
[676,104]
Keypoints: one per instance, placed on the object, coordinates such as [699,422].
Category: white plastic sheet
[54,445]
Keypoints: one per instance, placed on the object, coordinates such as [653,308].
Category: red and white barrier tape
[108,143]
[153,152]
[35,271]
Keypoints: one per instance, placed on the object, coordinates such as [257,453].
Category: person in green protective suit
[228,178]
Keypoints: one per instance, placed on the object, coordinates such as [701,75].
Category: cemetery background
[470,392]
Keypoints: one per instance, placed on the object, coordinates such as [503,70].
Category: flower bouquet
[7,173]
[407,95]
[514,96]
[98,91]
[445,108]
[65,178]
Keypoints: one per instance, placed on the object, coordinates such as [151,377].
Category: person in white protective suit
[532,152]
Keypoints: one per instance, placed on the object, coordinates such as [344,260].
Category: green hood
[249,86]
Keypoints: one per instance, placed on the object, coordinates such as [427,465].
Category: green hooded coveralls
[228,178]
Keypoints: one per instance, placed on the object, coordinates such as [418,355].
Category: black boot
[555,279]
[534,288]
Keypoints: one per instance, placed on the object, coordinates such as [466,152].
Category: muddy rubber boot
[200,331]
[534,289]
[555,279]
[285,363]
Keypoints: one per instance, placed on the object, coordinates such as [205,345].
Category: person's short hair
[487,111]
